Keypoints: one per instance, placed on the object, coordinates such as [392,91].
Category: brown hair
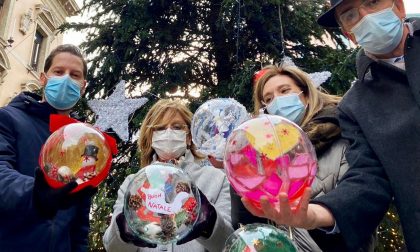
[66,48]
[153,118]
[317,99]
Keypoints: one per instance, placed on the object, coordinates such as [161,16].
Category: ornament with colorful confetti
[268,155]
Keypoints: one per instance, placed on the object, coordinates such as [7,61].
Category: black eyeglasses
[352,16]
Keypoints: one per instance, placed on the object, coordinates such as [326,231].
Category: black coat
[380,116]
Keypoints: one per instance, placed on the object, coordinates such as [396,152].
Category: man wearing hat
[380,116]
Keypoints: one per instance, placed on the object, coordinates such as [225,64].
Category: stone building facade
[28,32]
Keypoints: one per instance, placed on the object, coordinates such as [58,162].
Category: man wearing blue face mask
[62,92]
[33,216]
[380,116]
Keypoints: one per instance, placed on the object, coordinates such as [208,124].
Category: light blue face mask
[289,106]
[379,33]
[62,92]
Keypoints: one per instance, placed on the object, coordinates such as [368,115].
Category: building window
[3,20]
[37,50]
[2,74]
[4,65]
[6,17]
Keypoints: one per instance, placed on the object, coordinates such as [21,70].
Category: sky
[77,37]
[410,6]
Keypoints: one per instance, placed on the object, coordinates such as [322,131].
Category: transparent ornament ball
[161,203]
[75,152]
[268,155]
[213,122]
[259,238]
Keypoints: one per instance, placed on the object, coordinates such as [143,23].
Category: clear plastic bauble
[75,152]
[161,204]
[213,122]
[259,238]
[268,155]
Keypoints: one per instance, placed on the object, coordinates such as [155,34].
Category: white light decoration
[115,111]
[317,78]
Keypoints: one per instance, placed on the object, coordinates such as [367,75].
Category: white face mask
[169,144]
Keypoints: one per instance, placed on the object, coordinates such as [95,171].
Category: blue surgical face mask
[379,33]
[62,92]
[289,106]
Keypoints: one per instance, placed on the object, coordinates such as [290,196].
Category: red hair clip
[258,75]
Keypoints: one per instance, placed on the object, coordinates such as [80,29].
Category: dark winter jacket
[24,127]
[380,116]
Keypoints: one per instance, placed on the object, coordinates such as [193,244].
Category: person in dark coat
[380,116]
[33,216]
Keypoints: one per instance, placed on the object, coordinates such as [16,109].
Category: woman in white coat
[165,136]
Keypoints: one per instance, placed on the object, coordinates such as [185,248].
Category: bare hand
[216,163]
[304,216]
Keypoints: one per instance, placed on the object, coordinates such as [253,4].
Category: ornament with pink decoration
[268,155]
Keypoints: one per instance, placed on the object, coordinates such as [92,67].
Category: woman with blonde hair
[289,92]
[165,136]
[285,81]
